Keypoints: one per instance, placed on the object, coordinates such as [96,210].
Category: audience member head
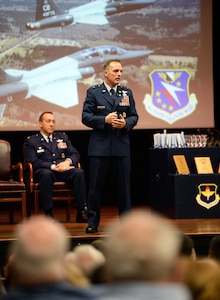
[99,244]
[2,287]
[187,246]
[203,279]
[187,255]
[214,248]
[10,274]
[73,274]
[142,246]
[38,252]
[87,259]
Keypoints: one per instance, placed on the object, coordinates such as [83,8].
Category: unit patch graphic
[207,196]
[170,99]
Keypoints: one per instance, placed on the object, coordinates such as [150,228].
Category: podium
[192,196]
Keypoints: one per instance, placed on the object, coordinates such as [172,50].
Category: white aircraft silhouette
[56,82]
[49,14]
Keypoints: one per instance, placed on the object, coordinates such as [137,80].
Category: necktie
[113,95]
[49,142]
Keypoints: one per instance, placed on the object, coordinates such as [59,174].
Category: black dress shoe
[91,229]
[81,217]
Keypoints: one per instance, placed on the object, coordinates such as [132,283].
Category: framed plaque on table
[203,165]
[181,164]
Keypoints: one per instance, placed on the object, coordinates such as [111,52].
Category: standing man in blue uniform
[55,159]
[109,109]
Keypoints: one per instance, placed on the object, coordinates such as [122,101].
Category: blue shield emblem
[170,99]
[207,196]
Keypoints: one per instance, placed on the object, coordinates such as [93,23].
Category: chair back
[5,160]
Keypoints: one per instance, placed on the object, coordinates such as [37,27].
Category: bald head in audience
[37,263]
[39,249]
[142,246]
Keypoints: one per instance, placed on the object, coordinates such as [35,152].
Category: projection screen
[48,64]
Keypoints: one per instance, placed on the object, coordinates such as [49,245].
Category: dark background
[141,140]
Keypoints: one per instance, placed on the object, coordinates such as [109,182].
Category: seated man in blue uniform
[55,159]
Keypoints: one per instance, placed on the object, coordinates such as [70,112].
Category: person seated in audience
[73,274]
[187,247]
[203,279]
[55,159]
[214,248]
[187,255]
[141,254]
[37,258]
[99,244]
[2,286]
[87,259]
[10,274]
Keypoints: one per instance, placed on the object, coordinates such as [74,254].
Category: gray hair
[142,246]
[40,246]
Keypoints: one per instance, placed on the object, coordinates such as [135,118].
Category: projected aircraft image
[49,14]
[48,64]
[47,81]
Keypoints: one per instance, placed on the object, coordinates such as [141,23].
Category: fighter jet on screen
[49,14]
[56,82]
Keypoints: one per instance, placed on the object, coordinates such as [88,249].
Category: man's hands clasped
[63,166]
[112,118]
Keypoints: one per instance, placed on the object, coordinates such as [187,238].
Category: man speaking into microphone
[109,109]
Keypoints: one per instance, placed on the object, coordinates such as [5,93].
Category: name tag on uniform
[40,150]
[101,107]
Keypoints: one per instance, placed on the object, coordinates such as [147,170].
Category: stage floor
[193,227]
[201,230]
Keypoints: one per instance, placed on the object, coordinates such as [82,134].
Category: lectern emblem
[207,196]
